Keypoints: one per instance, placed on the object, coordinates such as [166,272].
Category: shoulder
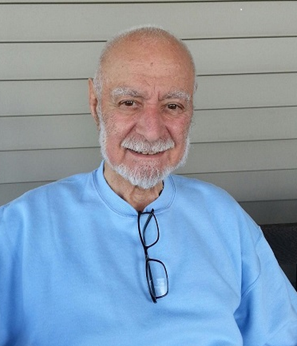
[215,204]
[46,196]
[197,189]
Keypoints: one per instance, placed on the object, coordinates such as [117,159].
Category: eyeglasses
[156,272]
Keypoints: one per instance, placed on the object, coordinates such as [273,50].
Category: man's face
[146,110]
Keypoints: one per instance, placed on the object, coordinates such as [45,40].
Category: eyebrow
[176,94]
[122,91]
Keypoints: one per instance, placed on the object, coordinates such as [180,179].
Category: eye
[173,106]
[128,103]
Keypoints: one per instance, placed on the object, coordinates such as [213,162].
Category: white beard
[146,175]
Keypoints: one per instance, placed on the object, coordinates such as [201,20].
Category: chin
[144,176]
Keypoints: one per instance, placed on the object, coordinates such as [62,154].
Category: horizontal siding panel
[39,165]
[70,96]
[44,97]
[241,156]
[79,130]
[8,192]
[256,55]
[48,132]
[45,165]
[270,212]
[246,91]
[49,60]
[244,124]
[59,22]
[78,60]
[255,186]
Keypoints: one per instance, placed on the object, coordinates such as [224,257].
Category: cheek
[112,128]
[116,133]
[180,131]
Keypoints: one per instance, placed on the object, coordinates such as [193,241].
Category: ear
[93,102]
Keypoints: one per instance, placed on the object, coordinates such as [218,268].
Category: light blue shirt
[72,270]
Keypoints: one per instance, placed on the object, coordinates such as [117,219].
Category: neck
[137,197]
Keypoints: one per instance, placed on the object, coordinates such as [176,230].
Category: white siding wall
[244,136]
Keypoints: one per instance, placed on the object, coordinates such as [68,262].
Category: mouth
[146,153]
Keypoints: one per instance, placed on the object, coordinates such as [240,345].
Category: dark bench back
[282,238]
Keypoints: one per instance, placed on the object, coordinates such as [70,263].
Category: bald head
[138,43]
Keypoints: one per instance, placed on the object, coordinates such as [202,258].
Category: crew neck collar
[120,206]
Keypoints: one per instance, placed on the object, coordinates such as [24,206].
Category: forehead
[148,62]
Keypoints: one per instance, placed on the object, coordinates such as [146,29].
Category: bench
[282,238]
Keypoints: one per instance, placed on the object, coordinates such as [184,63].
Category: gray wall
[244,136]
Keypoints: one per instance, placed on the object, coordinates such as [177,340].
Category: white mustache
[146,147]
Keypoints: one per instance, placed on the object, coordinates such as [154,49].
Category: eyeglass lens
[157,278]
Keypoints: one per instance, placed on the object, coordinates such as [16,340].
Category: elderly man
[129,254]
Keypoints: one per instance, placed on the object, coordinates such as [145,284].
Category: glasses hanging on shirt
[156,272]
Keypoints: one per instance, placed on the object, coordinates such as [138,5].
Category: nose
[150,123]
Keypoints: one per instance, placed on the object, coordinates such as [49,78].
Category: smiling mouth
[146,148]
[146,153]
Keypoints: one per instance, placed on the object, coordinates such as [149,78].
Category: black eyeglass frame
[148,260]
